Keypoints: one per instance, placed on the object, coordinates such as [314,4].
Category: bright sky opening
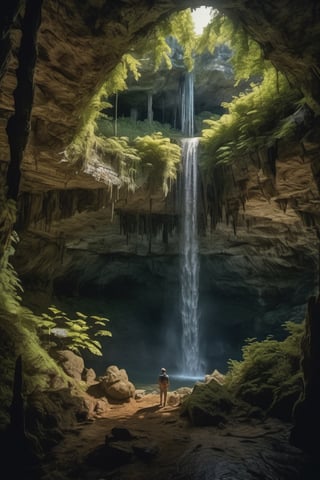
[201,17]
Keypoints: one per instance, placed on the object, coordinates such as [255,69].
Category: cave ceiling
[78,44]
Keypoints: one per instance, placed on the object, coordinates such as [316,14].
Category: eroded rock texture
[63,209]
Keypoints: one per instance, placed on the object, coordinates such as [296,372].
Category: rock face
[66,215]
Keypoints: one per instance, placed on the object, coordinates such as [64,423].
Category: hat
[163,370]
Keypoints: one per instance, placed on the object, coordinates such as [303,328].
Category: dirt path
[241,451]
[161,427]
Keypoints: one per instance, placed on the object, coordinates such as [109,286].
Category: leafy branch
[57,331]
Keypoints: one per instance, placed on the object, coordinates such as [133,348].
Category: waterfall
[190,260]
[189,270]
[187,105]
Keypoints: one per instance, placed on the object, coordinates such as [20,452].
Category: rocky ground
[140,440]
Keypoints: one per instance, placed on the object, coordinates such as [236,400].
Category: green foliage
[123,157]
[8,212]
[149,159]
[247,57]
[83,147]
[58,331]
[134,128]
[89,147]
[116,80]
[269,360]
[10,284]
[208,404]
[182,28]
[179,26]
[252,121]
[152,159]
[266,366]
[18,337]
[160,158]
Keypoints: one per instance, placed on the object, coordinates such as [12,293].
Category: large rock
[71,363]
[208,404]
[116,384]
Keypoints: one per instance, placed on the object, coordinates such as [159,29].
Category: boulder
[116,384]
[71,363]
[208,404]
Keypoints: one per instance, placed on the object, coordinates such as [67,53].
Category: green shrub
[269,374]
[58,331]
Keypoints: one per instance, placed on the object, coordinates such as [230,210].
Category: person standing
[163,382]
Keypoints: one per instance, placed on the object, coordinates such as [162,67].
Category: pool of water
[149,383]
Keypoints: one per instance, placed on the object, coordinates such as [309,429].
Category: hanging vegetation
[84,144]
[259,116]
[95,143]
[156,48]
[247,56]
[160,159]
[253,120]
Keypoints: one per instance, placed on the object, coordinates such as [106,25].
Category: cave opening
[259,193]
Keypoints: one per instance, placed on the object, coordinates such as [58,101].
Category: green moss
[19,337]
[269,373]
[134,128]
[160,159]
[208,404]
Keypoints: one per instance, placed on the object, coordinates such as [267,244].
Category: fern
[58,331]
[160,159]
[83,147]
[156,47]
[268,361]
[247,57]
[252,121]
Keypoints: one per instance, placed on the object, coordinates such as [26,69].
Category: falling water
[189,238]
[187,104]
[190,260]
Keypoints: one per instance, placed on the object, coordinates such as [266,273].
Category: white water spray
[189,237]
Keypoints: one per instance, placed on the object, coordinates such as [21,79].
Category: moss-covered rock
[209,404]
